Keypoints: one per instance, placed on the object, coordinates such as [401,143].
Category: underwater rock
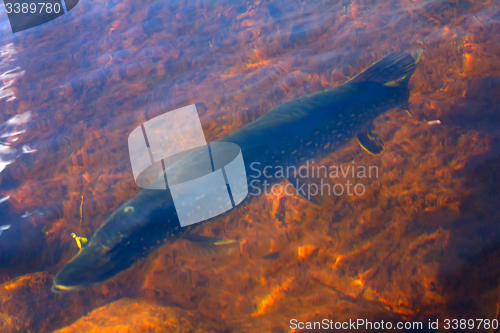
[127,315]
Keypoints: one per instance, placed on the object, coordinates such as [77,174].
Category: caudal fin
[395,67]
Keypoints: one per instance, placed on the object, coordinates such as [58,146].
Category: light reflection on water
[8,72]
[9,134]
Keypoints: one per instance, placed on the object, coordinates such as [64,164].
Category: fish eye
[129,209]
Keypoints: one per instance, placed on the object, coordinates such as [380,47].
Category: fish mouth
[92,265]
[85,269]
[58,288]
[68,280]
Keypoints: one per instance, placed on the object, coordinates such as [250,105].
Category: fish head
[128,235]
[88,267]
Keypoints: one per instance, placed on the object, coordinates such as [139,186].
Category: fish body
[331,116]
[287,135]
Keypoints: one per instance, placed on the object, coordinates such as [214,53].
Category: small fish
[311,126]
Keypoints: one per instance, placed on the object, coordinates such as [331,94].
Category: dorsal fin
[395,67]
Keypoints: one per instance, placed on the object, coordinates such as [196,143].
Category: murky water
[420,244]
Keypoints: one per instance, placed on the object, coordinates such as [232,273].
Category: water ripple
[9,73]
[9,133]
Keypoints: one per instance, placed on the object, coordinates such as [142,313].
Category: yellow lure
[79,240]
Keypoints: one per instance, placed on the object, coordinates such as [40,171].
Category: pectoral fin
[202,245]
[405,107]
[209,240]
[370,142]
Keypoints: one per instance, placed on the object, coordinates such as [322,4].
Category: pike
[311,126]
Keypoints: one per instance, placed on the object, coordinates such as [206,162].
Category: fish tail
[393,69]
